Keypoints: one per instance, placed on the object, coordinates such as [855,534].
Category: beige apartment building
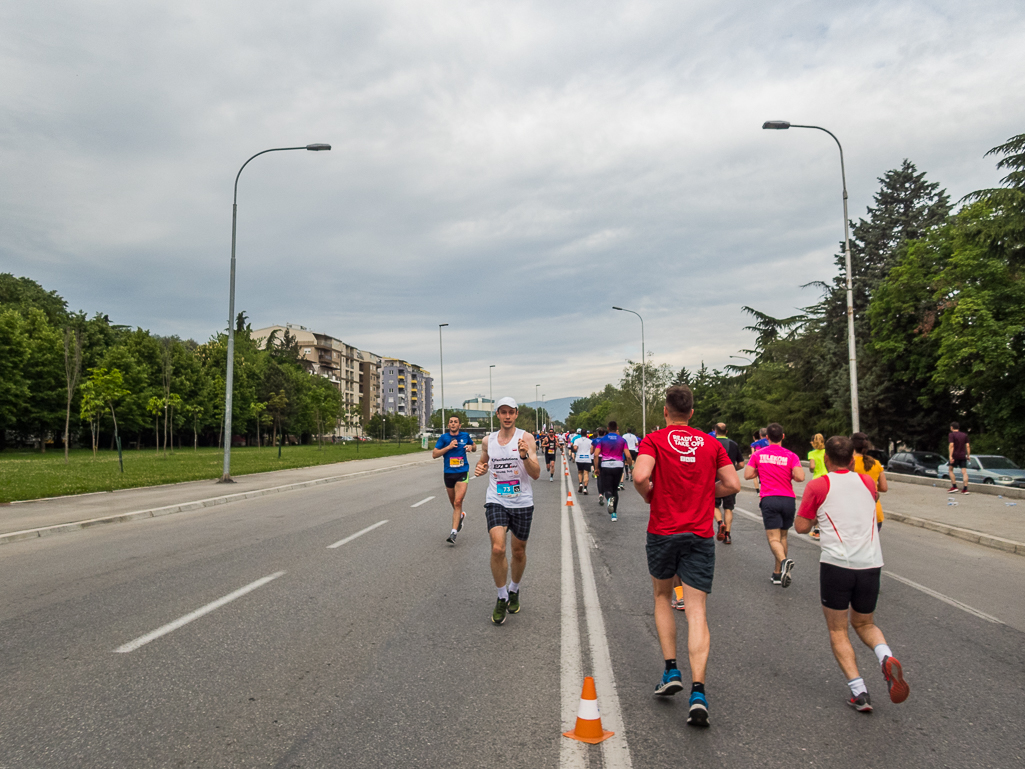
[356,373]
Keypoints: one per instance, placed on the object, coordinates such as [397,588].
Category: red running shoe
[894,675]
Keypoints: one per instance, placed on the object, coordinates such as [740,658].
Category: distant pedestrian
[777,468]
[959,452]
[729,502]
[760,440]
[865,464]
[850,565]
[817,457]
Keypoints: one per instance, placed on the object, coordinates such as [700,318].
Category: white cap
[505,402]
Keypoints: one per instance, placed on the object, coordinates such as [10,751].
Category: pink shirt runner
[775,466]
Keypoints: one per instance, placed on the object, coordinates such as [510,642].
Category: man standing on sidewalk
[777,468]
[453,446]
[960,451]
[843,504]
[728,503]
[680,471]
[509,457]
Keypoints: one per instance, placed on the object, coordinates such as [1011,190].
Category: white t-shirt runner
[583,447]
[508,481]
[844,504]
[631,441]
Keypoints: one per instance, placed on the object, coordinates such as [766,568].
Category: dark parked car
[915,463]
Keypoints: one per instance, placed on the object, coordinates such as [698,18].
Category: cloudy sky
[511,168]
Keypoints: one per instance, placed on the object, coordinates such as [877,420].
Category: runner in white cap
[509,457]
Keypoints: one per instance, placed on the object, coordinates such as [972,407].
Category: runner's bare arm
[727,481]
[441,452]
[797,473]
[482,463]
[882,485]
[643,467]
[528,446]
[750,471]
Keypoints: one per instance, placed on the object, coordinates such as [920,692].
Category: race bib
[507,488]
[583,457]
[455,461]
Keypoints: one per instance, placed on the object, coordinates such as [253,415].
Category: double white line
[615,751]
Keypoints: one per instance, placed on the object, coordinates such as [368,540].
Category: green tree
[108,389]
[14,351]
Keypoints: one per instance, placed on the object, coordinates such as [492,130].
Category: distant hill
[558,408]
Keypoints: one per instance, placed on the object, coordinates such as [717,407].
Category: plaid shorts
[515,519]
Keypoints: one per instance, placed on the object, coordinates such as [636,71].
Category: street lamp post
[644,365]
[782,125]
[537,414]
[230,378]
[491,394]
[441,355]
[542,408]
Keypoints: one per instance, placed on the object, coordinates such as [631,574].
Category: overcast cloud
[511,168]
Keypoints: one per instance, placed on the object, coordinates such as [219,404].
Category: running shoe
[613,516]
[585,490]
[698,713]
[498,615]
[601,500]
[952,488]
[461,517]
[894,675]
[816,534]
[727,539]
[784,577]
[671,683]
[580,488]
[622,487]
[677,604]
[514,602]
[862,703]
[451,538]
[775,579]
[551,478]
[964,490]
[721,534]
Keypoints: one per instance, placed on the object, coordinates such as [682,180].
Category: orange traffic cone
[569,499]
[588,728]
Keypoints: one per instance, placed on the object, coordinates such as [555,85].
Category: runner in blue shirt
[453,445]
[611,454]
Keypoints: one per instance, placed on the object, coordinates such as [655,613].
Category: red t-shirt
[683,481]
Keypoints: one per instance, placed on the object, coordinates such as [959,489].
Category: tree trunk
[156,432]
[165,427]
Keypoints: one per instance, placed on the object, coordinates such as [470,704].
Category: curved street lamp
[230,377]
[644,399]
[441,355]
[782,125]
[491,394]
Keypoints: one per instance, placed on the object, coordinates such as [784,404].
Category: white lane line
[162,631]
[360,533]
[790,535]
[615,750]
[572,754]
[422,502]
[911,583]
[944,598]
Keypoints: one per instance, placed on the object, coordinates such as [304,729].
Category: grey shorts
[515,519]
[690,557]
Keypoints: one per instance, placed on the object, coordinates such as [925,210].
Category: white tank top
[508,482]
[847,524]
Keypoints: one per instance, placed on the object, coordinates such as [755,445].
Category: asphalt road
[379,652]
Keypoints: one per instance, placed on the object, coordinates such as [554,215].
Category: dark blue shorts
[688,556]
[778,512]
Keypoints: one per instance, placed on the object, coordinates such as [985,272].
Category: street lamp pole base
[226,479]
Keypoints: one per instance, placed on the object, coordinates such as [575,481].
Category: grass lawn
[31,475]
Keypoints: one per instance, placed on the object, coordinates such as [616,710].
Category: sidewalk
[986,516]
[37,518]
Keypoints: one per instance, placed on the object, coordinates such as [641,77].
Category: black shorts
[727,503]
[959,463]
[690,557]
[451,479]
[633,454]
[549,457]
[841,588]
[584,467]
[515,519]
[778,512]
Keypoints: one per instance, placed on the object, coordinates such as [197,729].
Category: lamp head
[442,324]
[618,308]
[776,125]
[318,147]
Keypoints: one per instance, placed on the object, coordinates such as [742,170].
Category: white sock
[503,593]
[857,686]
[454,531]
[882,650]
[514,587]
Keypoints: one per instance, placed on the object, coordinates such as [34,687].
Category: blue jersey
[455,460]
[761,443]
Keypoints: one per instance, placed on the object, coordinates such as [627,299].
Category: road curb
[184,507]
[969,535]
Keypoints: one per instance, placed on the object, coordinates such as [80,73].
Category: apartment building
[406,389]
[356,373]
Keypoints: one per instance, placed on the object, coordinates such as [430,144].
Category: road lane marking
[572,754]
[615,750]
[945,598]
[360,533]
[171,626]
[422,502]
[911,583]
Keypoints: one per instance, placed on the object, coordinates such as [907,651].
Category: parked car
[914,463]
[988,468]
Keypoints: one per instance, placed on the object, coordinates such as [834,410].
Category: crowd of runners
[689,479]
